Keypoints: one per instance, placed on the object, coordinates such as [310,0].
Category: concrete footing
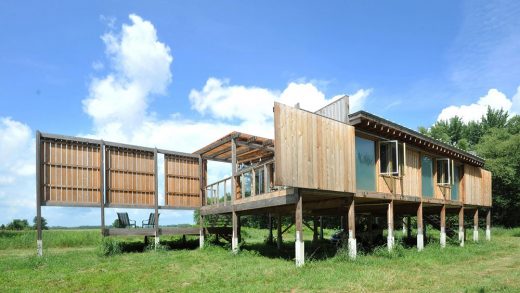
[488,233]
[475,234]
[352,245]
[157,240]
[234,243]
[390,241]
[461,236]
[299,246]
[39,245]
[443,237]
[420,241]
[201,238]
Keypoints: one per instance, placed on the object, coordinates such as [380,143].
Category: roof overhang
[249,148]
[381,127]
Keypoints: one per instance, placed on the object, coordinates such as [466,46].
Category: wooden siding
[312,151]
[130,177]
[473,192]
[409,184]
[70,173]
[486,188]
[182,185]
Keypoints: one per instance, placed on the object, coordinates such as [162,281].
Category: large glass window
[259,181]
[456,182]
[427,176]
[365,164]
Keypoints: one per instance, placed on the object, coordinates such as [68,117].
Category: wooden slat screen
[70,172]
[312,151]
[130,177]
[182,185]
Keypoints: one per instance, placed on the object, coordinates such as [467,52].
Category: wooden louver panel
[312,151]
[70,173]
[130,177]
[182,185]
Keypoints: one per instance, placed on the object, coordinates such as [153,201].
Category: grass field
[72,262]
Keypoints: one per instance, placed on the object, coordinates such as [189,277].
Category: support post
[342,224]
[390,216]
[475,226]
[408,227]
[315,229]
[202,194]
[39,242]
[102,185]
[279,239]
[443,226]
[299,244]
[352,244]
[201,231]
[488,225]
[461,226]
[270,224]
[233,170]
[403,222]
[321,228]
[239,229]
[234,236]
[420,237]
[371,228]
[156,199]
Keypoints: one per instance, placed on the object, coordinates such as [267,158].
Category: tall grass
[51,238]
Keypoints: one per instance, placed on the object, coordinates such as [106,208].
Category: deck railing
[250,181]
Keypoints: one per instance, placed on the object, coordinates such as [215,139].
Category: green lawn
[72,262]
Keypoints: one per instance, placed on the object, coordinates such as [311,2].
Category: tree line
[23,224]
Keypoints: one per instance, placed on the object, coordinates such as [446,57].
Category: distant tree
[44,223]
[116,224]
[2,227]
[18,224]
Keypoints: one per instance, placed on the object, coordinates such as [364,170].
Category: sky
[180,74]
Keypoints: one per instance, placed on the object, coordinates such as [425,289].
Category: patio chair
[124,221]
[150,223]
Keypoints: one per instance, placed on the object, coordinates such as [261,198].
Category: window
[444,171]
[427,176]
[259,181]
[392,157]
[365,164]
[246,184]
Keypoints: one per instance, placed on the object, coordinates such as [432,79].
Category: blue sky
[186,72]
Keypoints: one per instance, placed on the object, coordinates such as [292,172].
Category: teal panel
[455,186]
[427,176]
[365,164]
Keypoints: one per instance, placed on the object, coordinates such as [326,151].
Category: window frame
[449,167]
[400,164]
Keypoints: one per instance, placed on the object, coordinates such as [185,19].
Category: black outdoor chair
[150,223]
[124,221]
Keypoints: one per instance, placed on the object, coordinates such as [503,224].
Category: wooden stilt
[475,225]
[279,239]
[488,225]
[443,227]
[321,228]
[461,227]
[420,237]
[390,216]
[299,244]
[352,244]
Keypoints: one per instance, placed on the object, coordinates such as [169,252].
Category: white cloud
[141,68]
[474,112]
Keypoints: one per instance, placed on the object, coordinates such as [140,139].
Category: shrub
[109,247]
